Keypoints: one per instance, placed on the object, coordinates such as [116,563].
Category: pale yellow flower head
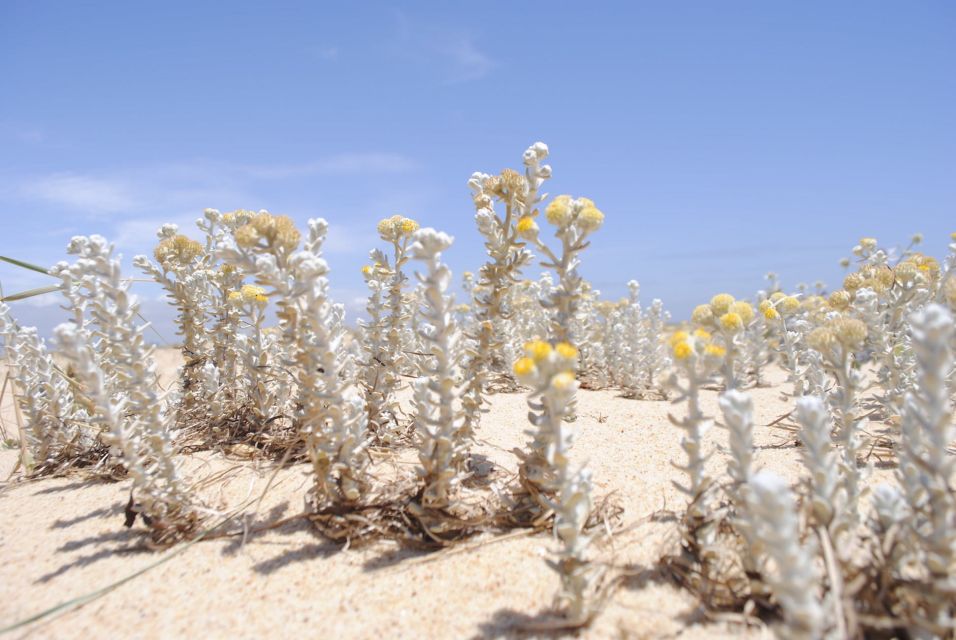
[906,273]
[788,305]
[715,351]
[396,228]
[682,350]
[702,315]
[840,300]
[246,236]
[177,250]
[566,351]
[590,218]
[524,367]
[279,232]
[563,381]
[770,313]
[678,336]
[537,350]
[702,335]
[744,310]
[527,228]
[251,293]
[822,339]
[851,332]
[720,303]
[558,211]
[731,322]
[852,282]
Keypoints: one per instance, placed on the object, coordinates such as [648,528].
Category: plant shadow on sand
[105,512]
[124,539]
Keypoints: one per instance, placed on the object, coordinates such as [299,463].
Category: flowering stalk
[442,447]
[384,353]
[836,341]
[549,372]
[696,357]
[728,318]
[131,411]
[329,414]
[503,243]
[55,434]
[250,302]
[181,272]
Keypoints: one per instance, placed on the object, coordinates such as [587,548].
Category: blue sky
[722,139]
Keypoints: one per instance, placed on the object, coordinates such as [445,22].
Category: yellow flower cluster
[768,310]
[507,184]
[839,300]
[279,232]
[239,215]
[731,322]
[684,345]
[725,312]
[927,267]
[396,228]
[556,363]
[702,315]
[877,277]
[564,210]
[249,294]
[720,304]
[842,330]
[177,250]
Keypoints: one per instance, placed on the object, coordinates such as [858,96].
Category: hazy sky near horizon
[721,139]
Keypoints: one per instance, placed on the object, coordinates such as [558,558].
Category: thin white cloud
[468,61]
[188,186]
[327,53]
[84,193]
[457,53]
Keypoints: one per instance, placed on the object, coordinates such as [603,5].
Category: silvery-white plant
[504,233]
[834,494]
[927,469]
[390,309]
[256,353]
[637,352]
[56,431]
[550,374]
[180,269]
[696,358]
[574,220]
[794,575]
[728,318]
[737,408]
[439,417]
[329,412]
[130,410]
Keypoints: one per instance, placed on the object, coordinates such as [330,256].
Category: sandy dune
[63,538]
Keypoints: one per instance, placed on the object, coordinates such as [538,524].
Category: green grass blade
[26,265]
[29,294]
